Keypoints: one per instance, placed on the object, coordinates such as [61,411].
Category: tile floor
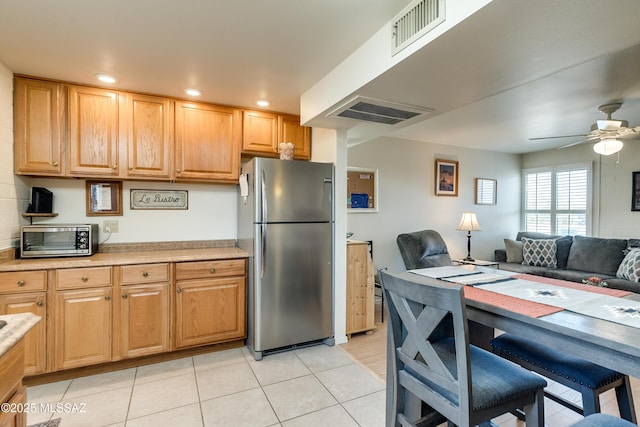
[314,386]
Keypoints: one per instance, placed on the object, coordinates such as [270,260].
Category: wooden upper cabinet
[260,133]
[93,132]
[207,142]
[146,135]
[39,127]
[290,131]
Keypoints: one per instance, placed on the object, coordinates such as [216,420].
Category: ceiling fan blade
[556,137]
[575,143]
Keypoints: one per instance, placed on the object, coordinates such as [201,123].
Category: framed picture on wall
[446,178]
[635,191]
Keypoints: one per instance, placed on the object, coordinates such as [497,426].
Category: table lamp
[469,223]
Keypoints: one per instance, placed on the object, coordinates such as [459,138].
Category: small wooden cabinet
[207,142]
[93,132]
[144,309]
[39,109]
[25,292]
[82,328]
[263,131]
[210,302]
[12,391]
[360,288]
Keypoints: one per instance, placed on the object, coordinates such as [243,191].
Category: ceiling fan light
[608,146]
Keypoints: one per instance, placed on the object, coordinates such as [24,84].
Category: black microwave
[58,240]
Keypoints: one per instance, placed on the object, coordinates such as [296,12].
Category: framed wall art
[446,178]
[486,191]
[104,198]
[159,199]
[635,191]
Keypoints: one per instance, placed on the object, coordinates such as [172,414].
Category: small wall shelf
[31,215]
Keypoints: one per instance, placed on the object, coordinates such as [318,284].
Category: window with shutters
[557,200]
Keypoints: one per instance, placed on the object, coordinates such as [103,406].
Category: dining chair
[430,361]
[422,249]
[603,420]
[589,379]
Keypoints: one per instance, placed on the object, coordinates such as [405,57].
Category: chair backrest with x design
[420,316]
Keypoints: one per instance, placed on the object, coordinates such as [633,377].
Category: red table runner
[517,305]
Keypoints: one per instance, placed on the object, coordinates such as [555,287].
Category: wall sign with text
[159,199]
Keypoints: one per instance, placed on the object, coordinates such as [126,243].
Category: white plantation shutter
[556,199]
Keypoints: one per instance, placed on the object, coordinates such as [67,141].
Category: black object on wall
[41,200]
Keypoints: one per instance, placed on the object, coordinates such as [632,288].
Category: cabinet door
[35,341]
[360,289]
[145,319]
[146,131]
[209,311]
[39,127]
[260,133]
[207,142]
[93,132]
[300,136]
[82,327]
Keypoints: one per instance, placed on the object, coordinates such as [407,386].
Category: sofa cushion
[596,255]
[514,250]
[563,246]
[630,266]
[571,275]
[539,252]
[522,269]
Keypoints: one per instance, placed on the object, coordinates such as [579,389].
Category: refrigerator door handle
[263,198]
[263,249]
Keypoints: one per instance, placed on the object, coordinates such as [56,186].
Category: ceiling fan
[609,132]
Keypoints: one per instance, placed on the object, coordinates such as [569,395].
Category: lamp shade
[608,146]
[469,222]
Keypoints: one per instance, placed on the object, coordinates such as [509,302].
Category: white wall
[408,203]
[212,212]
[612,215]
[14,190]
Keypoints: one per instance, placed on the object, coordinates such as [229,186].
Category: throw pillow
[630,266]
[514,250]
[596,255]
[563,245]
[539,252]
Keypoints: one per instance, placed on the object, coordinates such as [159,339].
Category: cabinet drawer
[206,269]
[73,278]
[23,281]
[145,273]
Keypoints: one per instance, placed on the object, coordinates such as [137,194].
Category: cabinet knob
[84,278]
[114,167]
[39,303]
[179,290]
[55,163]
[212,270]
[107,298]
[124,296]
[21,283]
[130,168]
[145,274]
[179,171]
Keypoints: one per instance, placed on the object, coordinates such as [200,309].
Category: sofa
[574,258]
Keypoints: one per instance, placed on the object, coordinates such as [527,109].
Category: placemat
[517,305]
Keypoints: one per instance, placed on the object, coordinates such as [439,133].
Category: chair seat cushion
[494,380]
[602,420]
[553,362]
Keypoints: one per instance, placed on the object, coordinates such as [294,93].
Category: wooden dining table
[606,343]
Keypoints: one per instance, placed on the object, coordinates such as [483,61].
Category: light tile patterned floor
[314,386]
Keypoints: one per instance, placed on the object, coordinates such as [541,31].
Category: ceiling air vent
[415,20]
[378,111]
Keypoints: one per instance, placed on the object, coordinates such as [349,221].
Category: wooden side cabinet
[210,302]
[11,389]
[144,309]
[39,114]
[262,132]
[289,130]
[360,288]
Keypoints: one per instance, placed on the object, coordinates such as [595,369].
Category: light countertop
[124,258]
[17,326]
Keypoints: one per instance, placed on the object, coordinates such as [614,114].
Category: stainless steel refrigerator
[285,223]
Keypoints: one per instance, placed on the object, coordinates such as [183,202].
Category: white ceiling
[514,70]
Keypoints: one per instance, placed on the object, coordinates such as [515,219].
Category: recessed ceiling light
[192,92]
[262,103]
[105,78]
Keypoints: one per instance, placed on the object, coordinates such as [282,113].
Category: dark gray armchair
[422,249]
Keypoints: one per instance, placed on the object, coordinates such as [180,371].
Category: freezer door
[293,191]
[293,286]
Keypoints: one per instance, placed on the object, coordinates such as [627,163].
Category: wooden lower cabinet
[82,327]
[15,419]
[144,317]
[36,339]
[12,391]
[360,288]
